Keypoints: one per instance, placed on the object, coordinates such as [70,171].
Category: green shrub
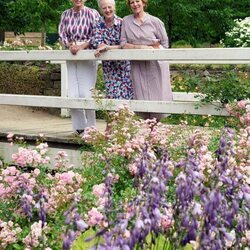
[181,44]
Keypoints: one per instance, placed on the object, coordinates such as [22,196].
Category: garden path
[30,122]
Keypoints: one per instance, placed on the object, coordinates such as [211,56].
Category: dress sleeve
[123,39]
[162,34]
[95,17]
[97,37]
[62,31]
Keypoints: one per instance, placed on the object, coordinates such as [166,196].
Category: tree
[191,20]
[3,15]
[39,12]
[10,20]
[241,9]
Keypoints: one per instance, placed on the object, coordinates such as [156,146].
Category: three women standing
[79,29]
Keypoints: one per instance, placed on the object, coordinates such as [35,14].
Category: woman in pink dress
[151,79]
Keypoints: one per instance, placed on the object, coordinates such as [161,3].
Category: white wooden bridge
[182,102]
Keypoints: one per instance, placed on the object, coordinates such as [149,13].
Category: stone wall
[30,79]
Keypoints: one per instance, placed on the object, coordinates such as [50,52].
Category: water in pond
[6,151]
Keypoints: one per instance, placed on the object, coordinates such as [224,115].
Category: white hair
[99,3]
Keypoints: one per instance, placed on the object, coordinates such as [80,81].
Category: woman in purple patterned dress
[75,33]
[107,32]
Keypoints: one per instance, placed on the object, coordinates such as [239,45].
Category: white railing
[182,102]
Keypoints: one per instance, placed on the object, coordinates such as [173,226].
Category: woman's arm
[104,47]
[62,31]
[162,34]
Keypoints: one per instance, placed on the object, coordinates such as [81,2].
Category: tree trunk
[169,23]
[43,38]
[170,29]
[2,37]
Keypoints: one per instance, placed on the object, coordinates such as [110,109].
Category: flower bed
[143,185]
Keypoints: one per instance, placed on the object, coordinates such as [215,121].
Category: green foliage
[19,79]
[221,83]
[81,244]
[193,21]
[223,86]
[228,88]
[181,44]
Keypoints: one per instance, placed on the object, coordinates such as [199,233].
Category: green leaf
[80,244]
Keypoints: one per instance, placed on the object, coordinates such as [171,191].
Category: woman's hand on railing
[74,47]
[156,45]
[101,48]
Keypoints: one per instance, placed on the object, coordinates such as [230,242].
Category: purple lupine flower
[41,207]
[26,204]
[74,224]
[145,215]
[224,203]
[81,225]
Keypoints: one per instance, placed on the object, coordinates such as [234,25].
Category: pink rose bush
[241,110]
[142,185]
[30,157]
[34,194]
[8,233]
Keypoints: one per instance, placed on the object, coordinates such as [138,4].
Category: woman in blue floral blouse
[106,36]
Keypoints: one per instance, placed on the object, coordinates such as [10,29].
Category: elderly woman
[107,32]
[75,33]
[151,79]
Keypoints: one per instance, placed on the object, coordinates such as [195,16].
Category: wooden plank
[187,97]
[187,56]
[173,107]
[31,35]
[9,34]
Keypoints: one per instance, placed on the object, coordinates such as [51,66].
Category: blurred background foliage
[192,22]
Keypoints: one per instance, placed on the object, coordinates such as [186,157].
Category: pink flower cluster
[243,153]
[95,217]
[36,236]
[62,162]
[63,190]
[30,157]
[166,220]
[8,233]
[240,110]
[11,179]
[100,191]
[198,144]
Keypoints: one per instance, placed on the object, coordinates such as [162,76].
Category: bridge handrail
[173,56]
[182,103]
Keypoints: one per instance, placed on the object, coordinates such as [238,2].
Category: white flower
[239,35]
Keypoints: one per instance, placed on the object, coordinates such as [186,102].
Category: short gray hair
[99,3]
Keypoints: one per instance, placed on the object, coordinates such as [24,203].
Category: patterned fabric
[77,26]
[118,84]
